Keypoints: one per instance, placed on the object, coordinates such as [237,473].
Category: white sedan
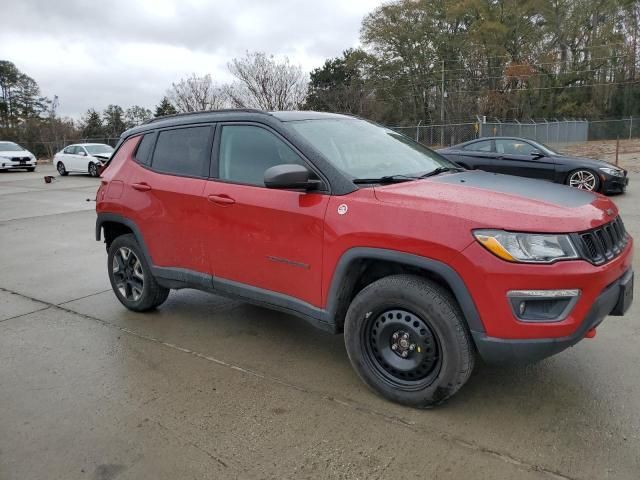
[14,157]
[82,158]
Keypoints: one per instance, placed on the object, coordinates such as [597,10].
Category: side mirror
[536,153]
[83,153]
[289,176]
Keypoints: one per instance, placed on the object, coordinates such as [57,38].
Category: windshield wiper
[440,170]
[385,179]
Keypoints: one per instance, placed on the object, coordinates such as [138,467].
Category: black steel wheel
[61,169]
[130,276]
[408,340]
[93,169]
[401,348]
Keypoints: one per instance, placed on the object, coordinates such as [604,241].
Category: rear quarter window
[145,147]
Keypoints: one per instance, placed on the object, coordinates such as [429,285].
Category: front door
[259,237]
[516,157]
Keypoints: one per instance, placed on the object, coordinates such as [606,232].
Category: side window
[69,150]
[246,152]
[514,147]
[482,146]
[143,153]
[183,151]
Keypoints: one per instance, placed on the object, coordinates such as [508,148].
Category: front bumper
[612,184]
[613,300]
[11,165]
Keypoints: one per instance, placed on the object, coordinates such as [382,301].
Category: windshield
[94,149]
[364,150]
[10,147]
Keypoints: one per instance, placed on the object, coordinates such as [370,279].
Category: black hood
[553,193]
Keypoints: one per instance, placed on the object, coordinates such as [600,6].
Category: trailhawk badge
[342,209]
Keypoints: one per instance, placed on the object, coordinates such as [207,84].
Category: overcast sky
[129,52]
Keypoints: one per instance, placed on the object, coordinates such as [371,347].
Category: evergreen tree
[165,107]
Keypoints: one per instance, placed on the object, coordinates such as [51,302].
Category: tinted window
[69,150]
[143,153]
[183,151]
[247,151]
[484,146]
[514,147]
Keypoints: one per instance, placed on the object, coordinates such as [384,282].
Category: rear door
[165,190]
[515,157]
[259,237]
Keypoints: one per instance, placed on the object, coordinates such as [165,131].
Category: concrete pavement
[207,387]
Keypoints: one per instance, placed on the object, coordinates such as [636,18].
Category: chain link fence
[441,135]
[547,131]
[47,149]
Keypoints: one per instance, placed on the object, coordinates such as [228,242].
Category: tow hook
[591,333]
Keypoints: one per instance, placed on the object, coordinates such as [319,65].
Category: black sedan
[528,158]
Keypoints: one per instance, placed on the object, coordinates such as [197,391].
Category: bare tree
[194,94]
[263,82]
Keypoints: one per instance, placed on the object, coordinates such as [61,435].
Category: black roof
[246,114]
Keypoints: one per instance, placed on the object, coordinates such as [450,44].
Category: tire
[93,169]
[584,179]
[62,169]
[440,355]
[31,169]
[133,282]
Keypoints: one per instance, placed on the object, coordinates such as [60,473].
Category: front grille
[603,243]
[17,159]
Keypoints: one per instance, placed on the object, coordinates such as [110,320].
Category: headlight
[527,247]
[616,172]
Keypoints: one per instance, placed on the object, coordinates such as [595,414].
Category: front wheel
[31,169]
[131,277]
[93,169]
[61,169]
[407,340]
[584,180]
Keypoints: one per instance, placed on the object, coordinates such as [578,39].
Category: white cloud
[129,52]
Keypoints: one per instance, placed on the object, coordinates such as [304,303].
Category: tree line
[421,61]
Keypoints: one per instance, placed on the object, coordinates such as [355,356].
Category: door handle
[221,199]
[141,187]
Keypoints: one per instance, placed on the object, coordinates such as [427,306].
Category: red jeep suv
[424,266]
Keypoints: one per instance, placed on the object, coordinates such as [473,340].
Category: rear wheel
[93,169]
[62,169]
[131,277]
[407,340]
[584,180]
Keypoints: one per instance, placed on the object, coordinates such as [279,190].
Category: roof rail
[186,114]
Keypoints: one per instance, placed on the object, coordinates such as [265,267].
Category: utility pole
[442,107]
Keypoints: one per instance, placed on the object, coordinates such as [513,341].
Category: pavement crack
[25,314]
[193,444]
[83,297]
[355,406]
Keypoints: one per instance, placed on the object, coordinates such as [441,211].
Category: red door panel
[271,239]
[169,210]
